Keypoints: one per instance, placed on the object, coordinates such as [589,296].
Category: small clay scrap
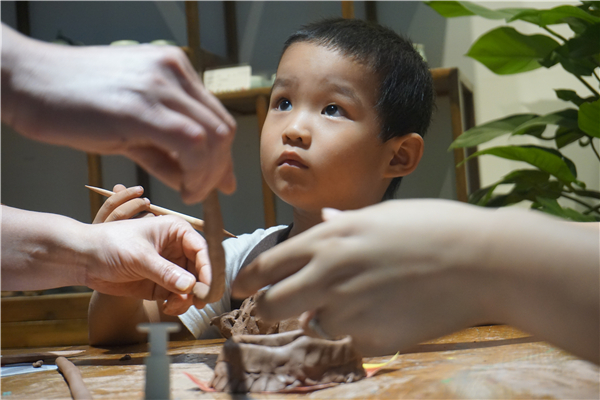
[245,321]
[280,362]
[126,357]
[38,364]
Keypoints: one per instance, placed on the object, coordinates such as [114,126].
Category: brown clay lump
[245,321]
[267,363]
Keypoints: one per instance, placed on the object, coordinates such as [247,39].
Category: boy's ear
[406,152]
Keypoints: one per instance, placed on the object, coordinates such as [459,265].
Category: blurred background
[41,177]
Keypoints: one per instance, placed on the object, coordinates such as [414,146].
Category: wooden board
[50,320]
[480,362]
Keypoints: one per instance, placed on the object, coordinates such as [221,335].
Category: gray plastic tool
[158,378]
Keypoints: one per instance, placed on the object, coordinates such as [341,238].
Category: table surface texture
[486,362]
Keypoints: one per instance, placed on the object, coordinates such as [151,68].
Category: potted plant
[506,51]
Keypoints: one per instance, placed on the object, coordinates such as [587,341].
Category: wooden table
[481,362]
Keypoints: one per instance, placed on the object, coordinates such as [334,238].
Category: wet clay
[213,233]
[268,363]
[73,377]
[245,321]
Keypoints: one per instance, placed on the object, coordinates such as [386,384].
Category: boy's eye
[284,105]
[333,111]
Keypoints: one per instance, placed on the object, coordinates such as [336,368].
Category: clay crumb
[126,357]
[38,364]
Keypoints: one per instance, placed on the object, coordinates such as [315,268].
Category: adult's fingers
[193,85]
[198,184]
[196,111]
[214,138]
[303,291]
[195,154]
[177,304]
[203,177]
[170,276]
[201,290]
[228,183]
[272,266]
[157,163]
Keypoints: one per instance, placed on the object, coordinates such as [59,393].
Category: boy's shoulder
[240,246]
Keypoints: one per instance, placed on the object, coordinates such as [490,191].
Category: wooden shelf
[244,101]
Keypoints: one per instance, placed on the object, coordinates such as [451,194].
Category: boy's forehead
[327,66]
[317,53]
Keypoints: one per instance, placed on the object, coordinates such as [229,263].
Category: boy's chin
[299,202]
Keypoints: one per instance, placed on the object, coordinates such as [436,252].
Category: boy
[348,109]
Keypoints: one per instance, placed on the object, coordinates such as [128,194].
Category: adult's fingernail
[329,213]
[223,130]
[184,283]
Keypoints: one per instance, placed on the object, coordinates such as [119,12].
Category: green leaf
[570,95]
[543,158]
[554,16]
[550,60]
[566,118]
[577,66]
[528,184]
[578,26]
[480,197]
[589,118]
[570,164]
[551,206]
[592,7]
[586,44]
[505,51]
[452,9]
[566,136]
[486,132]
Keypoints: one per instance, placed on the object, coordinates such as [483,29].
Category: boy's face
[319,144]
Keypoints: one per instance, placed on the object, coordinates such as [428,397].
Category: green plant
[505,51]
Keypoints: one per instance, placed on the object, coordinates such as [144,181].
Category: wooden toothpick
[157,210]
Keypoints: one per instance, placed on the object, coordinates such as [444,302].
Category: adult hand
[402,272]
[154,259]
[381,274]
[159,258]
[126,203]
[145,102]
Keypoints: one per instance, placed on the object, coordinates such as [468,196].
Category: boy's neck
[304,220]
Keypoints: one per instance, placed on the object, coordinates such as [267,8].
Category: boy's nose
[297,132]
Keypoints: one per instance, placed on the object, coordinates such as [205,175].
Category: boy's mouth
[291,159]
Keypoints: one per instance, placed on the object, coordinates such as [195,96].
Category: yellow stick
[156,210]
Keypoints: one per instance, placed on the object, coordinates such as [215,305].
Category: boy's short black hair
[406,95]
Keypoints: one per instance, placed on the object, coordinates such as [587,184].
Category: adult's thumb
[170,276]
[330,213]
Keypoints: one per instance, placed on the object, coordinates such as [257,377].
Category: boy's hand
[124,204]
